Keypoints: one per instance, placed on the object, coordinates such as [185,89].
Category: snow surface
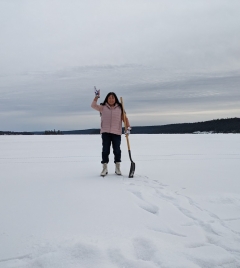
[182,208]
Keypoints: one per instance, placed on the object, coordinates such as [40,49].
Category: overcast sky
[171,61]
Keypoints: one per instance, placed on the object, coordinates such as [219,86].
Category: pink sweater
[111,119]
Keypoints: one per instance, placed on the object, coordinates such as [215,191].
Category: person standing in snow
[111,112]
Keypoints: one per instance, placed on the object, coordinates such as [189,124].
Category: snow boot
[105,170]
[117,168]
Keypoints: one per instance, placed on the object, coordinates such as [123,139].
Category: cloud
[163,57]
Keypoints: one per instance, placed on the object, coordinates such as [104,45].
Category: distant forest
[15,133]
[228,125]
[231,125]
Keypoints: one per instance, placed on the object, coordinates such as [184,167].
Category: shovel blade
[132,170]
[132,167]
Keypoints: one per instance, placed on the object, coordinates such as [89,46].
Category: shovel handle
[125,123]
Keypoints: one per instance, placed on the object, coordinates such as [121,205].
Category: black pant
[107,139]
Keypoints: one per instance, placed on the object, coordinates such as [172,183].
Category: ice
[181,209]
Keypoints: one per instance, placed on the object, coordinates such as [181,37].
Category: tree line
[226,125]
[53,132]
[15,133]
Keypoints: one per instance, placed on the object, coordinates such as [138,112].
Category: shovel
[132,167]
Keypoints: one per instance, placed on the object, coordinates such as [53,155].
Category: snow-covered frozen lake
[181,209]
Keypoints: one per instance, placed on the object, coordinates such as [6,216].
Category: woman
[111,128]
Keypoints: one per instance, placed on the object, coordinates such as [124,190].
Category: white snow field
[181,209]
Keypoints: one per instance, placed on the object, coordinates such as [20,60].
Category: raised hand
[97,92]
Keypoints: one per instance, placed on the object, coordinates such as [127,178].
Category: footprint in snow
[120,261]
[166,231]
[146,250]
[144,204]
[149,208]
[195,245]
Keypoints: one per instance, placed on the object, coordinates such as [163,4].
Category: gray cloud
[171,62]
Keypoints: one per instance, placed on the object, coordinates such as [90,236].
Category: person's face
[111,100]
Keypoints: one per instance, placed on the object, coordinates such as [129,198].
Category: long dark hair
[116,100]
